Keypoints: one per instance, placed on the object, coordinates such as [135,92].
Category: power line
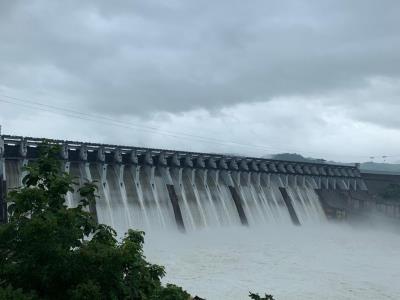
[92,115]
[105,119]
[108,121]
[128,125]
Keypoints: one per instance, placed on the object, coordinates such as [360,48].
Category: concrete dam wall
[161,189]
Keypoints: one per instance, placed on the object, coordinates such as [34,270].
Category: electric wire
[129,125]
[109,121]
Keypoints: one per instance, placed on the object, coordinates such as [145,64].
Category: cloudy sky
[321,78]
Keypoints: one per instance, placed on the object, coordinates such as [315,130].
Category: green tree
[50,251]
[258,297]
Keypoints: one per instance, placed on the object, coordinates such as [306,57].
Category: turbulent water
[321,262]
[220,259]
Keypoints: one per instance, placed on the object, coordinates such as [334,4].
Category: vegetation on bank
[258,297]
[50,251]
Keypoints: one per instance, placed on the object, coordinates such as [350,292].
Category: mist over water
[219,259]
[324,261]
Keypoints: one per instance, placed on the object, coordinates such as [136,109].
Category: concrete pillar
[289,206]
[3,207]
[85,171]
[238,203]
[3,204]
[292,180]
[175,206]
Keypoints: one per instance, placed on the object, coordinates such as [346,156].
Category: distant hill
[296,157]
[382,167]
[366,166]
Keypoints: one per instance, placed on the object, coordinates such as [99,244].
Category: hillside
[365,166]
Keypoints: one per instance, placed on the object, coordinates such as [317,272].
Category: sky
[320,78]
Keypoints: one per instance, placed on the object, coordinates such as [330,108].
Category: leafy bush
[9,293]
[55,252]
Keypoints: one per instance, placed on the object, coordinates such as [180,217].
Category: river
[319,261]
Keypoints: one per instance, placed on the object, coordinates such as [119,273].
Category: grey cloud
[140,57]
[377,103]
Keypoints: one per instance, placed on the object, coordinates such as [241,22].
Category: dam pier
[148,188]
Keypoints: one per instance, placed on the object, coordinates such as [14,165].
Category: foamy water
[326,261]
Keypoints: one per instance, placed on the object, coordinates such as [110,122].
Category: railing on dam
[189,184]
[25,148]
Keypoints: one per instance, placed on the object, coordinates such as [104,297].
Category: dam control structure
[147,188]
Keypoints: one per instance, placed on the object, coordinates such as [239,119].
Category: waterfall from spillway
[137,197]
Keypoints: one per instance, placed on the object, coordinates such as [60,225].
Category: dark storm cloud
[139,57]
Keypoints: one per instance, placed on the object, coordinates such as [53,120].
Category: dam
[148,189]
[252,224]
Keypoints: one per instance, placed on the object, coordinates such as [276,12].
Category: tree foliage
[50,251]
[258,297]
